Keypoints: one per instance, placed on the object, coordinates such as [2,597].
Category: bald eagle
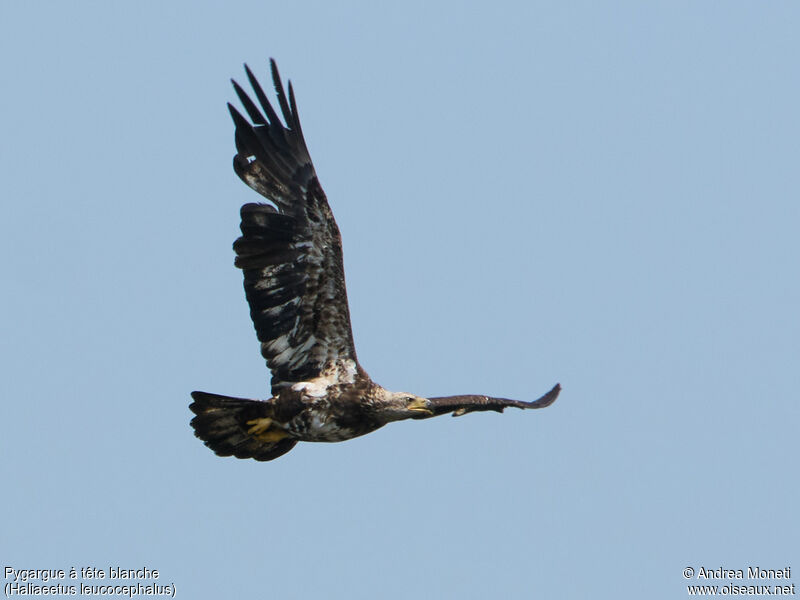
[290,252]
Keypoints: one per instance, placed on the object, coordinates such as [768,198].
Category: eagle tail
[238,427]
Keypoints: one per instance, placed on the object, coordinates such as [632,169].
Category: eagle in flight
[290,252]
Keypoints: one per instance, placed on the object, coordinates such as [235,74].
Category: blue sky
[600,194]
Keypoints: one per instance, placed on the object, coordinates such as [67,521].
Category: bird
[290,253]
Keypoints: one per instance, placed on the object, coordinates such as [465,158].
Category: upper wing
[459,405]
[292,256]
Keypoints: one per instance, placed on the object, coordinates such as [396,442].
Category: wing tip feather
[547,399]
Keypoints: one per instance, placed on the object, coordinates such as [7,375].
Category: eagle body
[333,409]
[290,253]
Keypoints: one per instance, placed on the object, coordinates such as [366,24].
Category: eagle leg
[263,430]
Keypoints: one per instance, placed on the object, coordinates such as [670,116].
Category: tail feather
[221,423]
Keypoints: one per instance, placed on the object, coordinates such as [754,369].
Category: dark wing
[460,405]
[292,256]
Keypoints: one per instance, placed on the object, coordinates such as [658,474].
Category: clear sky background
[603,194]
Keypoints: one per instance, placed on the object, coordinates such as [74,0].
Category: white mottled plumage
[340,372]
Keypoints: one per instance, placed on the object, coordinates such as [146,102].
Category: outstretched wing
[460,405]
[291,255]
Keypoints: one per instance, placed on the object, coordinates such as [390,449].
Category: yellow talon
[273,435]
[263,430]
[259,426]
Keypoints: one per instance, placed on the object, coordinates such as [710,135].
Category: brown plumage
[291,257]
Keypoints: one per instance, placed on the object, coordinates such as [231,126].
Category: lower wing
[460,405]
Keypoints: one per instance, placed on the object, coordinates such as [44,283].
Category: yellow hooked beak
[420,405]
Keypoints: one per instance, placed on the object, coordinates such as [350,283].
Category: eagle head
[396,406]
